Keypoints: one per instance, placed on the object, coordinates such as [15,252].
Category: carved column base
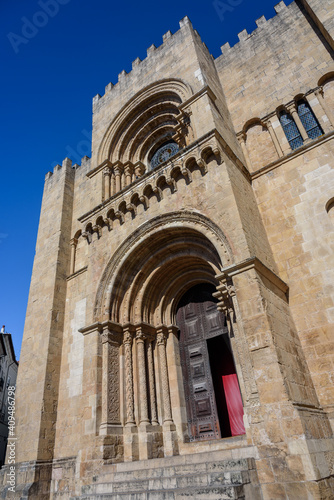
[131,448]
[170,440]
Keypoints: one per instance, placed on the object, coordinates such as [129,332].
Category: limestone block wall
[282,58]
[38,378]
[321,14]
[80,383]
[292,202]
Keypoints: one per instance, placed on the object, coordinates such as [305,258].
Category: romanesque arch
[137,305]
[185,242]
[151,117]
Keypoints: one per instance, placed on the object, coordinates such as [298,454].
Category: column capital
[162,334]
[291,107]
[117,167]
[128,166]
[245,265]
[241,136]
[107,171]
[128,334]
[267,123]
[111,333]
[139,168]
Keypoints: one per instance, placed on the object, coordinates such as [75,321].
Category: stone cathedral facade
[179,338]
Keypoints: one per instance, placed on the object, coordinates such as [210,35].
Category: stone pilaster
[282,404]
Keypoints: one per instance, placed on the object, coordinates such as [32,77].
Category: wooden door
[198,320]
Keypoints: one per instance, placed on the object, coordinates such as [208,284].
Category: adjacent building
[8,374]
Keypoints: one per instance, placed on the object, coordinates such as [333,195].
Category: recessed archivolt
[159,99]
[157,262]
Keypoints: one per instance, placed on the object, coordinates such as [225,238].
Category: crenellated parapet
[136,65]
[261,23]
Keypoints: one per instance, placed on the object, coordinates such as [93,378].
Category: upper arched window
[291,130]
[163,153]
[308,119]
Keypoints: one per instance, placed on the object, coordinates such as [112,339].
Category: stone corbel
[202,166]
[145,201]
[171,182]
[97,229]
[87,235]
[187,174]
[158,192]
[108,223]
[119,215]
[132,208]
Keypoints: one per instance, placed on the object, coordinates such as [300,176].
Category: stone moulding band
[100,327]
[253,263]
[74,275]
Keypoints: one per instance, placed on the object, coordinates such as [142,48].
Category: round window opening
[166,151]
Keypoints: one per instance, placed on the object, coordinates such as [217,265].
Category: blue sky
[55,55]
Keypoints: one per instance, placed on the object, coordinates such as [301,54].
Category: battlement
[67,165]
[123,75]
[261,23]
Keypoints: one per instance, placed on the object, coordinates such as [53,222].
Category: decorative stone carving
[161,343]
[110,378]
[130,413]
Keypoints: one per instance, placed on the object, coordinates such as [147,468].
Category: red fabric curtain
[234,404]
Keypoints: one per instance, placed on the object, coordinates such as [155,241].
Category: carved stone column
[73,243]
[293,110]
[242,140]
[151,378]
[112,184]
[139,169]
[107,187]
[161,343]
[111,341]
[129,397]
[273,136]
[319,93]
[143,403]
[128,168]
[118,174]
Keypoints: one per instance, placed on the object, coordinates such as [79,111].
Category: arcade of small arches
[156,186]
[262,139]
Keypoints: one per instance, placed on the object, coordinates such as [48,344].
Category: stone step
[203,477]
[172,482]
[149,472]
[199,493]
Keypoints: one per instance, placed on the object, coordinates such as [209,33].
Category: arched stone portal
[143,391]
